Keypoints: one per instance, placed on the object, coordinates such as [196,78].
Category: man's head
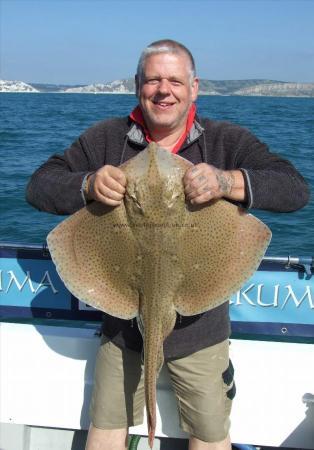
[166,85]
[164,46]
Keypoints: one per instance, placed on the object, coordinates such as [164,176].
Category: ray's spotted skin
[155,255]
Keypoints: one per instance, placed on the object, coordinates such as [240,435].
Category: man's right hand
[107,185]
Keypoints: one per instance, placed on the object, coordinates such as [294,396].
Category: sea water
[34,126]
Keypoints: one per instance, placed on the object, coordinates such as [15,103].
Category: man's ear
[195,85]
[137,86]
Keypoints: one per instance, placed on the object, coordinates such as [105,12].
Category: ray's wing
[96,254]
[96,257]
[221,247]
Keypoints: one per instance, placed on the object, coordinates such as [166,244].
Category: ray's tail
[151,430]
[153,361]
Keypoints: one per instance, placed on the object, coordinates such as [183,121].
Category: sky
[83,42]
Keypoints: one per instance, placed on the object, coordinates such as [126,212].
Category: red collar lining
[137,116]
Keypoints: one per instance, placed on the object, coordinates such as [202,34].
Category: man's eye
[176,83]
[152,81]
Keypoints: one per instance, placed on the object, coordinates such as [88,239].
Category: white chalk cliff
[117,87]
[16,86]
[278,90]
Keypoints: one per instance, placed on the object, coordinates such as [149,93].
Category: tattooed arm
[204,182]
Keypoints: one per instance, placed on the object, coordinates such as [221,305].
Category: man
[228,162]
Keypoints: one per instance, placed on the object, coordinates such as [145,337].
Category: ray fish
[156,256]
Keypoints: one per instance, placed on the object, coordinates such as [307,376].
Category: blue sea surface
[34,126]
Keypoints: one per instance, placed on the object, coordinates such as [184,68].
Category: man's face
[166,91]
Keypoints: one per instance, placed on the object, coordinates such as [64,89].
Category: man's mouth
[163,105]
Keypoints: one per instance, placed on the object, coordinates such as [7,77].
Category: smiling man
[229,162]
[166,88]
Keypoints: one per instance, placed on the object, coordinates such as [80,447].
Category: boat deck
[22,437]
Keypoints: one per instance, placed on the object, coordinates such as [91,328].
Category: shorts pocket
[228,379]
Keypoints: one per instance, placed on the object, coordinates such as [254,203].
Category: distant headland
[253,87]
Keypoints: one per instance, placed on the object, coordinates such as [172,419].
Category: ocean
[34,126]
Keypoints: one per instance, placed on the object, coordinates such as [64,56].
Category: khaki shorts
[203,384]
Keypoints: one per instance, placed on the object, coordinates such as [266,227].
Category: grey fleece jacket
[271,183]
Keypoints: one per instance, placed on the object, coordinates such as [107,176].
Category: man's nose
[164,86]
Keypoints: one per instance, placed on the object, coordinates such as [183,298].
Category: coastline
[201,94]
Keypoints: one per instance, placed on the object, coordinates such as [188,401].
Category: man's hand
[204,182]
[107,185]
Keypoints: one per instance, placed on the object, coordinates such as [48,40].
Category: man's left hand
[204,182]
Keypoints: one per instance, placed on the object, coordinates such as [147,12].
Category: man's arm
[55,186]
[58,185]
[257,178]
[277,187]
